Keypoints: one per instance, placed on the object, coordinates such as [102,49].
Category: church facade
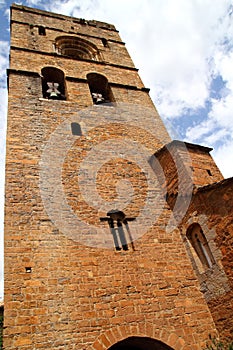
[116,236]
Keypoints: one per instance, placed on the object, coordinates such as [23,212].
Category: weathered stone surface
[71,289]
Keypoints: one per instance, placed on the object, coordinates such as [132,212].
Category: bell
[97,97]
[53,94]
[53,90]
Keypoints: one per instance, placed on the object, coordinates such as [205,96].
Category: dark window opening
[28,269]
[105,42]
[99,88]
[53,83]
[119,228]
[199,242]
[41,30]
[76,129]
[209,172]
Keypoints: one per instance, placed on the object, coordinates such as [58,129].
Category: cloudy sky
[184,52]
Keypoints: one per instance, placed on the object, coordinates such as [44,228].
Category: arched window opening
[120,230]
[53,83]
[76,48]
[99,88]
[140,343]
[41,30]
[200,245]
[76,129]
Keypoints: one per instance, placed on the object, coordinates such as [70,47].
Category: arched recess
[201,250]
[140,343]
[116,336]
[53,83]
[76,47]
[99,88]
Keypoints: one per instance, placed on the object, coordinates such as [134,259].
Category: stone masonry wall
[66,284]
[212,208]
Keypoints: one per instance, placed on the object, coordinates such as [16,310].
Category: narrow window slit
[41,30]
[200,245]
[105,42]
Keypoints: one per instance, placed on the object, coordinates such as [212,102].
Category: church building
[116,236]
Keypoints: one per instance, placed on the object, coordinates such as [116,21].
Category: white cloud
[217,129]
[223,157]
[183,54]
[217,136]
[175,39]
[7,15]
[200,131]
[33,2]
[4,50]
[72,7]
[3,110]
[221,112]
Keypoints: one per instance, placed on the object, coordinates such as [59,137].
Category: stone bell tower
[93,259]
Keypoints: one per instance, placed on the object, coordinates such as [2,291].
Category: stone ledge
[72,58]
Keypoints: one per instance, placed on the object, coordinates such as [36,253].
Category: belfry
[116,236]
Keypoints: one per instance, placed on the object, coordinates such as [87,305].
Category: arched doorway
[140,343]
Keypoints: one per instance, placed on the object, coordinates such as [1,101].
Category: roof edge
[94,23]
[178,143]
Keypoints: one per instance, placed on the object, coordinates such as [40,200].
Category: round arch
[99,88]
[201,249]
[76,47]
[53,83]
[140,343]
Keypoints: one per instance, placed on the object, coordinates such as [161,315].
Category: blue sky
[184,52]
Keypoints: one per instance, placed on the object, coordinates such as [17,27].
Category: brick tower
[93,257]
